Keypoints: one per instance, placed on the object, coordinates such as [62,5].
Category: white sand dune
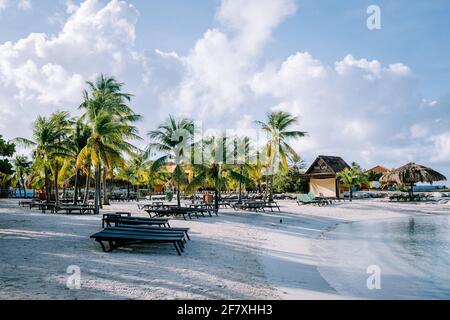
[237,255]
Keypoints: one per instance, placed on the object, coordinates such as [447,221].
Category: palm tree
[63,125]
[214,172]
[77,140]
[129,173]
[169,138]
[105,97]
[106,146]
[277,150]
[22,167]
[105,94]
[352,177]
[48,137]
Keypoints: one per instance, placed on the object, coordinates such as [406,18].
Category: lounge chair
[117,237]
[321,199]
[272,205]
[304,199]
[110,218]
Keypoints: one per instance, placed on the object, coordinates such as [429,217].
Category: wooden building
[322,176]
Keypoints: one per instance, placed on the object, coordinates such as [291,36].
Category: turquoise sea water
[413,256]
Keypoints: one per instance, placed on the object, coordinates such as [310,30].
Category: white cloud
[42,73]
[21,4]
[357,108]
[441,148]
[25,5]
[218,68]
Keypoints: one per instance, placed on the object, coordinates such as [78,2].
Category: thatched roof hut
[412,173]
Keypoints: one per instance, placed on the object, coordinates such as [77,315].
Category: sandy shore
[238,255]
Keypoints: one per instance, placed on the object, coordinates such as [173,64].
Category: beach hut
[322,176]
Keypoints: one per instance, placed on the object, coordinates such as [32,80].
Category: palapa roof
[412,173]
[326,166]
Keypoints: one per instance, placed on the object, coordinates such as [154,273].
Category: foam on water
[413,255]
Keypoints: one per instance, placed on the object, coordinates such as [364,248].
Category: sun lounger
[109,219]
[120,237]
[304,199]
[272,205]
[80,209]
[250,206]
[322,200]
[169,212]
[140,228]
[26,203]
[202,208]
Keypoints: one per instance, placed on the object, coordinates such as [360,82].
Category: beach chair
[322,201]
[117,237]
[304,199]
[110,218]
[272,205]
[153,229]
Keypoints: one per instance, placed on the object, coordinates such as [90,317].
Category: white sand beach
[237,255]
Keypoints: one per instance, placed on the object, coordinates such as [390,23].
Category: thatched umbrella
[412,173]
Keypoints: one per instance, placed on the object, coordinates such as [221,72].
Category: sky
[377,97]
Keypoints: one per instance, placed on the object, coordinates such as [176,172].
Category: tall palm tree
[169,139]
[48,136]
[242,154]
[106,145]
[22,167]
[63,124]
[77,140]
[278,151]
[105,96]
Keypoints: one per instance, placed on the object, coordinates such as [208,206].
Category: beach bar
[322,176]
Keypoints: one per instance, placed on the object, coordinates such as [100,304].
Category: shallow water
[412,254]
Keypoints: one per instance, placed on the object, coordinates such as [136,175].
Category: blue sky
[384,94]
[413,32]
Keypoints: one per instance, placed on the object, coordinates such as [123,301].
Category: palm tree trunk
[178,196]
[267,187]
[75,192]
[47,184]
[86,191]
[128,191]
[55,181]
[24,189]
[105,189]
[97,190]
[271,189]
[216,200]
[240,187]
[351,194]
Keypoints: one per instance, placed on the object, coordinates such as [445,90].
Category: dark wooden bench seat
[117,237]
